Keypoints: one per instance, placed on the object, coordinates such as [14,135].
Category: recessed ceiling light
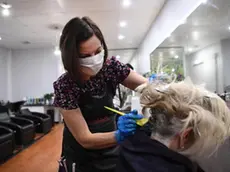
[120,37]
[5,5]
[195,35]
[190,49]
[118,57]
[126,3]
[161,54]
[0,38]
[123,24]
[57,51]
[228,27]
[5,12]
[204,1]
[176,56]
[172,52]
[183,21]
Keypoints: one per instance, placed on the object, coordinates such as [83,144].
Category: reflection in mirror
[204,37]
[168,61]
[204,46]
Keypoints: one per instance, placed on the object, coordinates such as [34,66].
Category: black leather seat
[7,143]
[24,128]
[42,122]
[45,122]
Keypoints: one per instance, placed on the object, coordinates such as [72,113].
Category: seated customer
[186,122]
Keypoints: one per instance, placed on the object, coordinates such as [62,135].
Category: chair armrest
[13,126]
[35,119]
[40,114]
[6,129]
[21,121]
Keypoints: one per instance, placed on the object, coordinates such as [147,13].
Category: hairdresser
[90,137]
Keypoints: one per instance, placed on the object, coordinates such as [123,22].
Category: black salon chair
[43,122]
[15,106]
[24,128]
[7,143]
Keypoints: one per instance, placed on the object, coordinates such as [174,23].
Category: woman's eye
[88,55]
[98,51]
[84,56]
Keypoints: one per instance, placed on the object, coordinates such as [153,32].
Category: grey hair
[174,107]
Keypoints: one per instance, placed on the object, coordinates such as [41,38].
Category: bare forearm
[134,80]
[100,140]
[79,129]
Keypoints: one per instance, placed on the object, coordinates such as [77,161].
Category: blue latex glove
[127,125]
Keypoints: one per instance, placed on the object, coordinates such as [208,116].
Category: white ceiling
[124,55]
[210,21]
[31,19]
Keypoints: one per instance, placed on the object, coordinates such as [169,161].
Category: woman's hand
[127,125]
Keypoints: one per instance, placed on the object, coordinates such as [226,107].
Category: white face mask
[95,62]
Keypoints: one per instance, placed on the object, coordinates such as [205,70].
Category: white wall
[5,57]
[225,47]
[205,71]
[172,14]
[133,62]
[33,72]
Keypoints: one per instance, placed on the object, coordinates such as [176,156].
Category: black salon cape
[141,154]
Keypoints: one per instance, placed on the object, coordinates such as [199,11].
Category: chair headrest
[4,117]
[26,111]
[3,109]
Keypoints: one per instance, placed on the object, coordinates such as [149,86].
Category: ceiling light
[120,37]
[204,1]
[126,3]
[5,5]
[173,70]
[228,27]
[183,21]
[195,35]
[172,52]
[161,54]
[5,12]
[189,49]
[176,56]
[118,57]
[123,24]
[57,51]
[169,36]
[0,38]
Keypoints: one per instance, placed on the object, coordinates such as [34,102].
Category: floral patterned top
[67,91]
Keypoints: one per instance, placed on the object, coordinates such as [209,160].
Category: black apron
[99,120]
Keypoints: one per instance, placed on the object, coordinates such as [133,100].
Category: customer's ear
[186,138]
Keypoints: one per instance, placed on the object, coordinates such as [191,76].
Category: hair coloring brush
[140,122]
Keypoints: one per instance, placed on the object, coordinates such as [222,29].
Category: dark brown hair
[74,33]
